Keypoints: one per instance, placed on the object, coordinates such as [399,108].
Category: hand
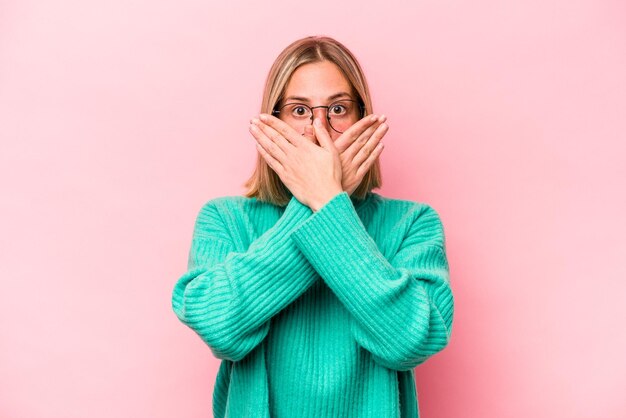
[311,172]
[359,147]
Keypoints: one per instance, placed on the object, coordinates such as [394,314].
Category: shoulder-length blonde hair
[265,184]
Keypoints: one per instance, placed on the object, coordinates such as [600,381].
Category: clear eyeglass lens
[342,114]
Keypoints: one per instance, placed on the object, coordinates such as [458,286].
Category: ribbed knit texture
[317,314]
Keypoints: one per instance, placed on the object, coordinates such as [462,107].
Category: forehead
[317,81]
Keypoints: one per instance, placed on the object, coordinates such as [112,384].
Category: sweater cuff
[295,213]
[336,242]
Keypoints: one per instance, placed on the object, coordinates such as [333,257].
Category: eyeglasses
[340,114]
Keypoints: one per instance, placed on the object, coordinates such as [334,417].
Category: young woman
[319,296]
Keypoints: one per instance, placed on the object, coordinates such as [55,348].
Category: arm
[227,297]
[402,309]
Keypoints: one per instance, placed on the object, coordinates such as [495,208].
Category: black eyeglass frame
[358,102]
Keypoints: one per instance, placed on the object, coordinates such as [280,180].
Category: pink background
[119,119]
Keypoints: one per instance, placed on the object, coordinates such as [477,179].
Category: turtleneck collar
[357,203]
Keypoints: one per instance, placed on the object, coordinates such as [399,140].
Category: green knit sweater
[317,314]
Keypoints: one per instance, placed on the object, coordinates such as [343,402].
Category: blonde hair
[265,184]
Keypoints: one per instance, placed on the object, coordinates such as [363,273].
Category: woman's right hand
[358,147]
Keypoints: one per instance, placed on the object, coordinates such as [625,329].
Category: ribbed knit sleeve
[401,308]
[227,297]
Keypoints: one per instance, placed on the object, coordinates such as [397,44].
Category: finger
[354,131]
[368,147]
[354,148]
[322,135]
[268,145]
[365,166]
[271,161]
[274,136]
[281,127]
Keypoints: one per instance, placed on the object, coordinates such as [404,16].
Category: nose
[321,114]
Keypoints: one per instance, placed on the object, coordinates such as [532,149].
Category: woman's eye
[299,111]
[338,110]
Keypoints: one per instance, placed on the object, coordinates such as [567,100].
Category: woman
[319,296]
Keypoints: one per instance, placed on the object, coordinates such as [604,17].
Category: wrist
[325,198]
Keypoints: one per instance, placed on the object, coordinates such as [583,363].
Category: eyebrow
[304,99]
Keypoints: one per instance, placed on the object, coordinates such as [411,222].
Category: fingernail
[263,116]
[383,118]
[317,123]
[374,118]
[254,121]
